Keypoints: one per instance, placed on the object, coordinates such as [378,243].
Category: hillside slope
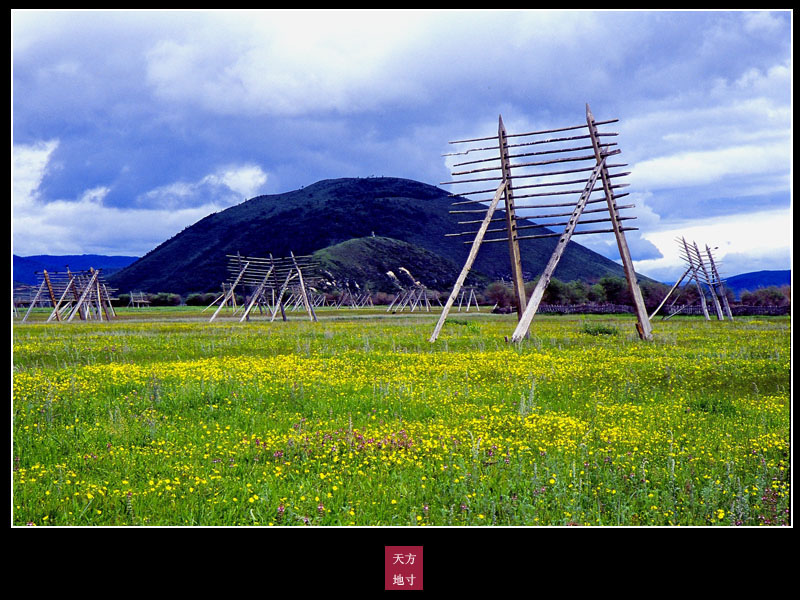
[328,213]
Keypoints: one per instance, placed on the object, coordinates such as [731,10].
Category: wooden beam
[511,223]
[536,296]
[86,291]
[476,244]
[644,327]
[34,301]
[279,301]
[672,289]
[309,309]
[56,314]
[722,293]
[717,306]
[696,280]
[256,294]
[229,293]
[543,131]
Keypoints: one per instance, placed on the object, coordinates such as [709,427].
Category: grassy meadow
[162,418]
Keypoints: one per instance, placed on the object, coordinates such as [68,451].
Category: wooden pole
[108,299]
[101,307]
[56,313]
[696,279]
[33,302]
[511,222]
[536,296]
[50,292]
[86,292]
[217,299]
[643,326]
[230,293]
[473,253]
[717,306]
[309,309]
[718,279]
[256,296]
[669,293]
[279,301]
[75,293]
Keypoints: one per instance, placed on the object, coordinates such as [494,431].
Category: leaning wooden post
[101,307]
[80,302]
[473,253]
[511,222]
[696,279]
[309,309]
[536,296]
[643,326]
[230,292]
[279,301]
[217,299]
[55,313]
[256,295]
[717,306]
[718,279]
[33,302]
[669,293]
[107,296]
[75,294]
[50,291]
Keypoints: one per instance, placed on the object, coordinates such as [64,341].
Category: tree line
[606,290]
[614,290]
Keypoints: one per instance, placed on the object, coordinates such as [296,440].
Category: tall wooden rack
[73,293]
[292,274]
[555,163]
[698,273]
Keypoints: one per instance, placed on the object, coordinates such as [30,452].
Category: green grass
[162,418]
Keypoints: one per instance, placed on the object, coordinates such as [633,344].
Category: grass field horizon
[160,418]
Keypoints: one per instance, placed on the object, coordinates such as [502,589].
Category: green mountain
[407,217]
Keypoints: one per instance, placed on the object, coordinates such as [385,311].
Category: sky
[129,126]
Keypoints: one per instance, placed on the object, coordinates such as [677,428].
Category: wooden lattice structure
[539,184]
[359,299]
[73,293]
[263,276]
[699,273]
[413,298]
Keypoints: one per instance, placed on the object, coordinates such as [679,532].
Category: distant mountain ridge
[26,267]
[333,212]
[750,282]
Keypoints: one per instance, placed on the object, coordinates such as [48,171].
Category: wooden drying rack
[528,177]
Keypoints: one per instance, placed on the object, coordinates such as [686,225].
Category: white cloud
[762,22]
[704,167]
[87,225]
[758,238]
[30,164]
[227,186]
[283,62]
[246,180]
